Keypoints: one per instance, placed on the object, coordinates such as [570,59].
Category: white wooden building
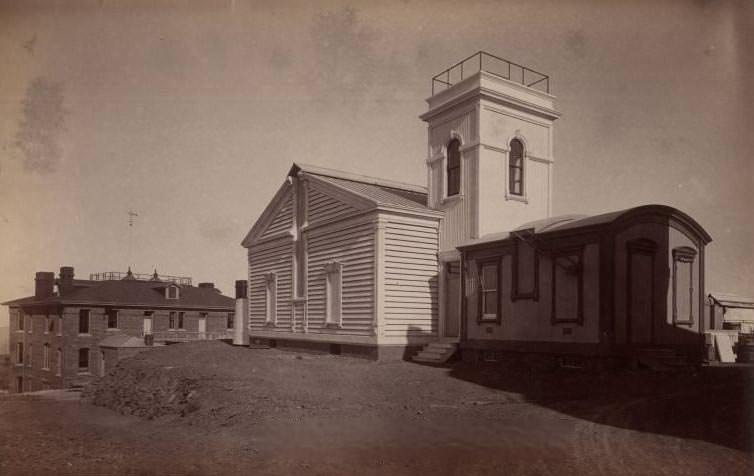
[344,263]
[354,264]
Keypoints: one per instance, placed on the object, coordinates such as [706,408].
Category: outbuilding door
[640,298]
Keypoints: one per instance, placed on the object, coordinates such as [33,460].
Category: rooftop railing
[483,61]
[117,275]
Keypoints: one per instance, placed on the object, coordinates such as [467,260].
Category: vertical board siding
[322,207]
[283,220]
[354,248]
[270,259]
[411,267]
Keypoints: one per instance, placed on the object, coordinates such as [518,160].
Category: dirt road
[322,415]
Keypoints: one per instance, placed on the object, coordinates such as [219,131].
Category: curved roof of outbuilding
[573,222]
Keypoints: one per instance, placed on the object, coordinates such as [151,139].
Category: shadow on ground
[713,404]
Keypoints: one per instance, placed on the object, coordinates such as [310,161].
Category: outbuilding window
[568,286]
[112,318]
[333,294]
[231,317]
[172,319]
[83,321]
[46,357]
[180,320]
[454,168]
[516,168]
[683,285]
[83,360]
[489,290]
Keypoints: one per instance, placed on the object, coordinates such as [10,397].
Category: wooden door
[452,299]
[641,297]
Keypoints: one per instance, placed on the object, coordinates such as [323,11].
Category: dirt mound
[137,387]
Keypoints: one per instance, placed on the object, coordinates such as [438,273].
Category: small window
[59,363]
[683,285]
[454,168]
[333,294]
[46,357]
[568,287]
[172,319]
[60,325]
[20,353]
[489,294]
[180,320]
[29,323]
[270,298]
[112,318]
[29,355]
[20,320]
[83,321]
[516,168]
[50,324]
[231,318]
[171,292]
[83,359]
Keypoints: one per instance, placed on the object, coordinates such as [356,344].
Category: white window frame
[84,370]
[117,319]
[172,288]
[509,195]
[271,292]
[88,324]
[20,321]
[334,294]
[46,357]
[59,363]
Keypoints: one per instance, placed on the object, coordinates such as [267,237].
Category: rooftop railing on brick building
[117,275]
[483,61]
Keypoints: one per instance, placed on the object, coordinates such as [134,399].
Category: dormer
[172,292]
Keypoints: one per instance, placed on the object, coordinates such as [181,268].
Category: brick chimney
[44,283]
[242,288]
[65,281]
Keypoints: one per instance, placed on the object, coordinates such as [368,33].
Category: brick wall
[68,339]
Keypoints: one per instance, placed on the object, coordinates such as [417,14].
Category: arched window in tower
[454,167]
[516,168]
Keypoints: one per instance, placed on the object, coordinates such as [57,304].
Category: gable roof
[372,192]
[132,292]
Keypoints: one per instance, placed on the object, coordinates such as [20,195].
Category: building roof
[131,292]
[732,300]
[383,192]
[574,222]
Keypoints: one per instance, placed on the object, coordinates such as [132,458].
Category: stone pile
[145,392]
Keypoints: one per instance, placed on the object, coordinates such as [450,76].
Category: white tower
[490,130]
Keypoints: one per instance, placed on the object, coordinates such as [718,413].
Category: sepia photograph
[408,237]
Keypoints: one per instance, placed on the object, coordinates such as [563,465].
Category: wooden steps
[436,353]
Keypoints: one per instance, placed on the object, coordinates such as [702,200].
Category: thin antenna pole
[131,216]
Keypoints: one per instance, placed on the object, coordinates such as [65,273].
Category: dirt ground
[210,408]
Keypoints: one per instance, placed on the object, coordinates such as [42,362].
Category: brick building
[64,337]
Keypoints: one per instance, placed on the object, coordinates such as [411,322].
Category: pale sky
[191,113]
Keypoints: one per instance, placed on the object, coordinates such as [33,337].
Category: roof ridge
[352,177]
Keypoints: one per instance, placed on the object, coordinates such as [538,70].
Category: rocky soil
[218,409]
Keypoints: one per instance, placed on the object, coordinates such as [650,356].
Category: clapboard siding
[283,220]
[276,258]
[410,276]
[321,207]
[354,248]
